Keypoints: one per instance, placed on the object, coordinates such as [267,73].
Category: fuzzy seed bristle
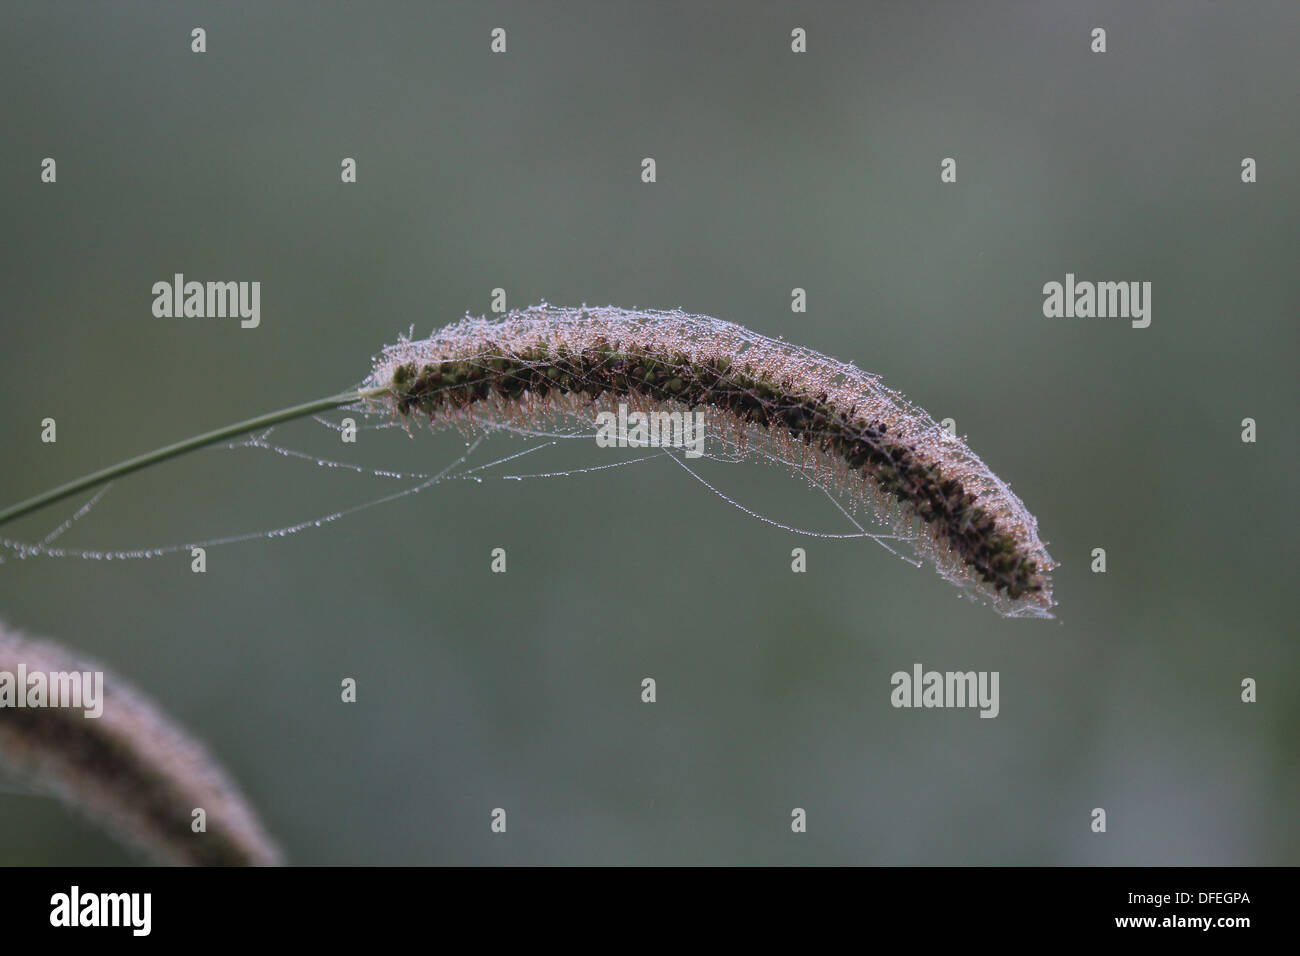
[130,768]
[980,535]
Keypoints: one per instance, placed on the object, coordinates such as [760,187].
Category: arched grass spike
[130,768]
[878,446]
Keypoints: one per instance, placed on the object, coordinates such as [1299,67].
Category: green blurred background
[775,170]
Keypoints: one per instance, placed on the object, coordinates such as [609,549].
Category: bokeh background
[775,170]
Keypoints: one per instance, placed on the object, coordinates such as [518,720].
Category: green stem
[181,447]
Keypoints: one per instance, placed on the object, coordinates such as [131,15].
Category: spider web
[476,463]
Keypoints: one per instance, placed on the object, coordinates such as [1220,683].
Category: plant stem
[181,447]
